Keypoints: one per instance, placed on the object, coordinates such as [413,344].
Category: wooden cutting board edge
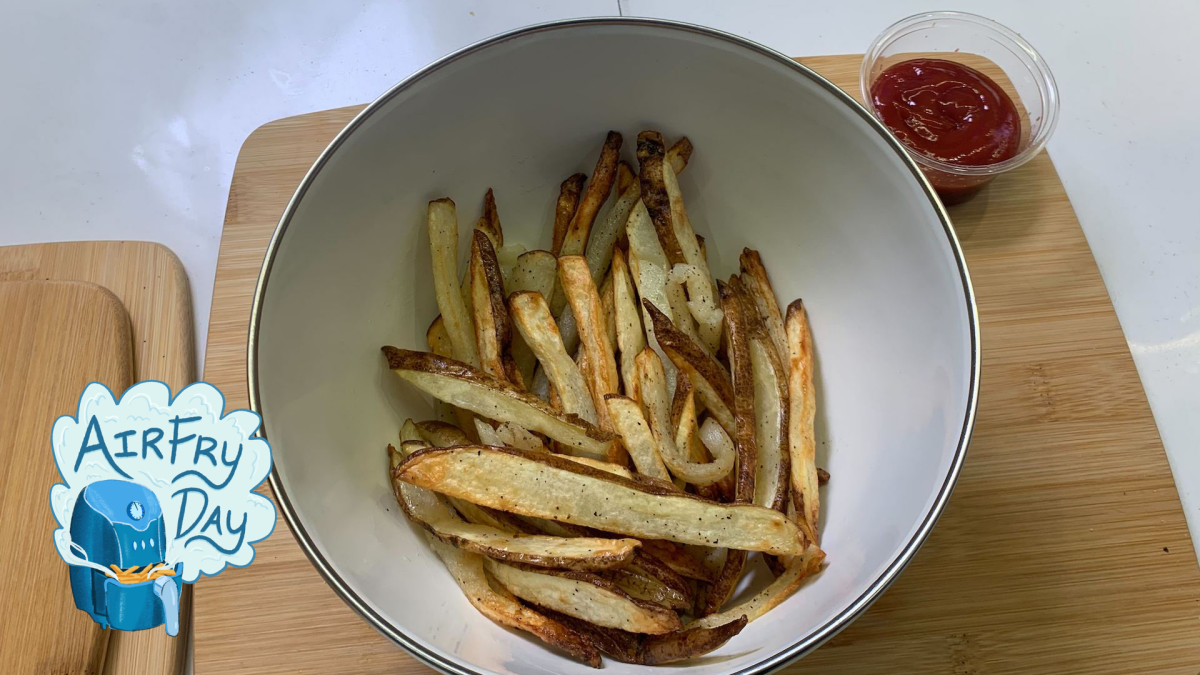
[80,334]
[151,283]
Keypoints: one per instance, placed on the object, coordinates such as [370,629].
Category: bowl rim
[806,643]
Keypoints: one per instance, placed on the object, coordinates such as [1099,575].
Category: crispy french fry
[489,222]
[600,369]
[543,485]
[534,271]
[679,154]
[803,406]
[536,325]
[439,343]
[652,386]
[745,436]
[631,338]
[711,381]
[758,285]
[492,330]
[688,643]
[409,431]
[459,384]
[635,433]
[783,587]
[773,472]
[676,558]
[585,596]
[441,434]
[424,508]
[625,177]
[651,590]
[701,304]
[443,244]
[564,209]
[651,154]
[594,197]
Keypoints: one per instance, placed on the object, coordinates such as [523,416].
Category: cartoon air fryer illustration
[118,526]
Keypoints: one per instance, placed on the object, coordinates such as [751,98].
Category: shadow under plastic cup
[989,48]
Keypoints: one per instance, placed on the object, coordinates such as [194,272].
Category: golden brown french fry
[652,386]
[679,154]
[677,559]
[536,325]
[745,436]
[651,590]
[798,569]
[409,431]
[758,284]
[534,271]
[426,509]
[651,154]
[441,434]
[439,343]
[696,288]
[635,433]
[771,423]
[631,338]
[594,197]
[489,222]
[443,245]
[625,177]
[803,407]
[564,209]
[600,366]
[585,596]
[492,330]
[543,485]
[493,398]
[711,381]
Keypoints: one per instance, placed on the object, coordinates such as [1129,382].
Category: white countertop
[123,120]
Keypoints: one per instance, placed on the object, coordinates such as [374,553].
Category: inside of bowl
[780,165]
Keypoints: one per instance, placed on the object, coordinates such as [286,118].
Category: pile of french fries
[628,431]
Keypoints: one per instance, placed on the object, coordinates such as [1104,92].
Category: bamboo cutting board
[57,337]
[150,282]
[1063,549]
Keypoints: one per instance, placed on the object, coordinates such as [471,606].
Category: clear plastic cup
[988,47]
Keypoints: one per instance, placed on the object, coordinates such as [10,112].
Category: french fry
[606,233]
[409,431]
[711,381]
[536,325]
[758,284]
[626,178]
[700,303]
[649,267]
[564,209]
[631,338]
[653,388]
[492,330]
[654,568]
[443,244]
[803,406]
[651,590]
[426,509]
[543,485]
[781,589]
[627,417]
[489,222]
[651,154]
[585,596]
[534,271]
[679,154]
[600,369]
[688,643]
[677,559]
[441,434]
[493,398]
[439,343]
[771,423]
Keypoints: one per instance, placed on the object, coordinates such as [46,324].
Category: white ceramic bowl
[784,162]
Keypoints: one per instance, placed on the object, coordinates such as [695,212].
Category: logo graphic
[157,492]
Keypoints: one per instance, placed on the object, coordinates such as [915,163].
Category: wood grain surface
[152,285]
[1063,550]
[56,337]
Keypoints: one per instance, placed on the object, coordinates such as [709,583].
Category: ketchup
[951,113]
